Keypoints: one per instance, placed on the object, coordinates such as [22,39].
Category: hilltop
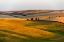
[31,11]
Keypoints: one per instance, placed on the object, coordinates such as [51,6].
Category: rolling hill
[18,30]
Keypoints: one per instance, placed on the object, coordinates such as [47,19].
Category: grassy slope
[16,30]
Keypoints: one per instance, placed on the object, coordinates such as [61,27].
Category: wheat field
[18,30]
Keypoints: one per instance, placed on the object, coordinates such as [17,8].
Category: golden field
[20,30]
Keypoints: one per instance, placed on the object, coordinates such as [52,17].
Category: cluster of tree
[33,19]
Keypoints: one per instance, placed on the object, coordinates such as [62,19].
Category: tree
[49,17]
[36,19]
[59,16]
[27,19]
[31,18]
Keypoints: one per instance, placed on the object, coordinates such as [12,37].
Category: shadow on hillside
[55,24]
[45,22]
[3,37]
